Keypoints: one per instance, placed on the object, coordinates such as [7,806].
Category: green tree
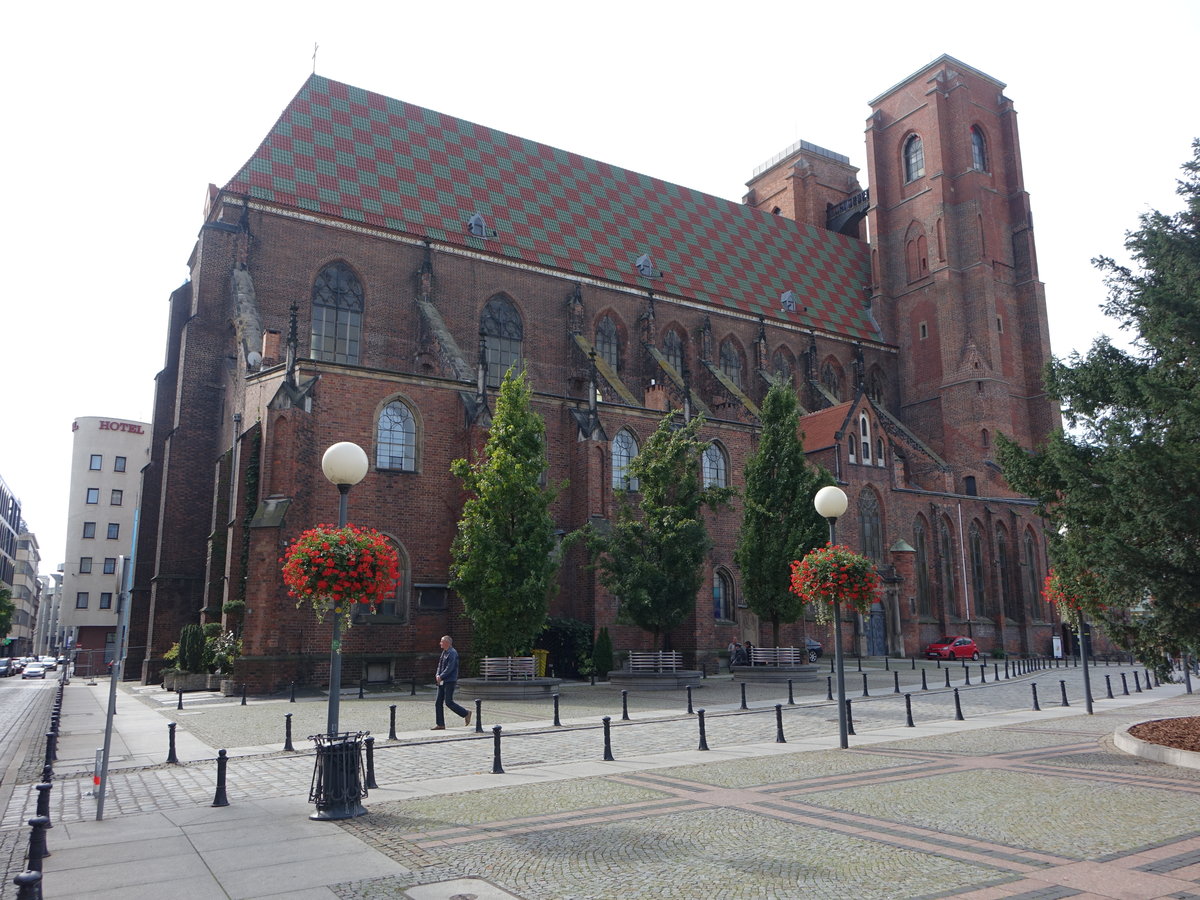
[502,561]
[780,523]
[7,608]
[1121,488]
[652,557]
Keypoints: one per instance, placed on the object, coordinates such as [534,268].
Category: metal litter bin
[338,783]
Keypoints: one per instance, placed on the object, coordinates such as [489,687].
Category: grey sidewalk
[162,837]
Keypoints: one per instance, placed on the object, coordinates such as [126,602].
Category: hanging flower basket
[835,574]
[332,569]
[1073,595]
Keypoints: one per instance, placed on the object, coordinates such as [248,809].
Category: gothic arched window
[608,344]
[946,567]
[714,467]
[501,325]
[394,608]
[781,367]
[722,596]
[979,160]
[1003,561]
[337,306]
[978,572]
[869,525]
[673,350]
[924,598]
[396,438]
[731,362]
[832,379]
[864,433]
[1031,580]
[914,158]
[624,450]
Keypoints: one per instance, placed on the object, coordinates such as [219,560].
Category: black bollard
[37,842]
[1006,675]
[29,885]
[557,721]
[791,696]
[52,740]
[292,698]
[43,802]
[219,799]
[779,724]
[413,691]
[593,679]
[865,692]
[1063,685]
[914,664]
[243,693]
[179,701]
[497,769]
[608,757]
[1108,686]
[886,667]
[895,682]
[689,693]
[849,719]
[478,716]
[624,706]
[362,688]
[924,685]
[939,662]
[1033,686]
[743,686]
[828,687]
[392,722]
[908,722]
[700,719]
[171,757]
[966,676]
[947,671]
[370,742]
[859,660]
[1149,687]
[1125,684]
[958,716]
[831,663]
[995,671]
[287,733]
[1137,684]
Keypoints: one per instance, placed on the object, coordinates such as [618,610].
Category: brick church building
[375,267]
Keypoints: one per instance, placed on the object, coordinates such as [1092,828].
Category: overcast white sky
[118,115]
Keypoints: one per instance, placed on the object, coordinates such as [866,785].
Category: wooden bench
[507,668]
[778,656]
[655,660]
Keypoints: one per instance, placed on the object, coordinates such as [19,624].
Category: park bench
[655,660]
[507,668]
[778,656]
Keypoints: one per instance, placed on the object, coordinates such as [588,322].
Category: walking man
[446,678]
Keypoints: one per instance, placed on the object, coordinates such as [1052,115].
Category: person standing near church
[447,678]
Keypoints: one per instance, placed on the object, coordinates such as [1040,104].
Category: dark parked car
[813,648]
[6,668]
[952,647]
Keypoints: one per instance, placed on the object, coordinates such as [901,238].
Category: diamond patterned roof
[341,151]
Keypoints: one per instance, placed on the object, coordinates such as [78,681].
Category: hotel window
[85,565]
[106,600]
[81,600]
[119,464]
[114,531]
[337,306]
[89,529]
[93,495]
[110,565]
[97,461]
[117,497]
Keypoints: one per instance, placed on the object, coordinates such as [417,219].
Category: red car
[956,647]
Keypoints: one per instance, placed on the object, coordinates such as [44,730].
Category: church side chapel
[375,268]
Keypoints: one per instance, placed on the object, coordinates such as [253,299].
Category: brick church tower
[955,279]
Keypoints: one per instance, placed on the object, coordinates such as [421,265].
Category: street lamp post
[345,464]
[831,503]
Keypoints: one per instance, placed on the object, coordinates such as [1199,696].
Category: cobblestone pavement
[1039,809]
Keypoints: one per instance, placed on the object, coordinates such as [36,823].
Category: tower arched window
[781,367]
[832,379]
[978,573]
[624,450]
[673,350]
[501,325]
[914,158]
[1031,580]
[608,344]
[979,158]
[731,362]
[864,433]
[337,306]
[946,567]
[714,467]
[396,438]
[921,545]
[1003,562]
[870,526]
[722,596]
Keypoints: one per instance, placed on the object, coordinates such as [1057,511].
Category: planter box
[189,681]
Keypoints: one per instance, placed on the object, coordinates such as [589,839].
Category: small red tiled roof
[344,152]
[821,428]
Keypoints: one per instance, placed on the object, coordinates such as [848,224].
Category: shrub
[602,655]
[569,643]
[191,648]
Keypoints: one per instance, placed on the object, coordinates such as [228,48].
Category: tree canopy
[1121,487]
[7,608]
[651,558]
[503,565]
[780,523]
